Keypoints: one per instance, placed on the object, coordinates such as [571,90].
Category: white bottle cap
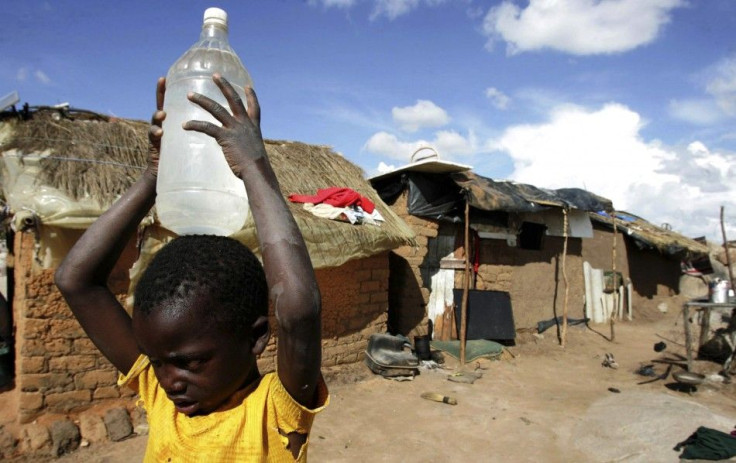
[215,15]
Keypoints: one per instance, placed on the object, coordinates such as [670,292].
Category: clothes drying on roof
[353,214]
[336,196]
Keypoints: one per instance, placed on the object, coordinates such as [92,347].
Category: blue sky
[634,100]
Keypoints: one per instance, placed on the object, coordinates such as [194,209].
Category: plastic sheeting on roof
[442,196]
[491,195]
[646,235]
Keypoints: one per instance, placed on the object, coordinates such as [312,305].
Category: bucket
[718,291]
[421,347]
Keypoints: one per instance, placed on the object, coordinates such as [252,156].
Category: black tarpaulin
[578,198]
[489,194]
[442,196]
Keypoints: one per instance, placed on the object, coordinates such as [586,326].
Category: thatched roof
[86,155]
[649,236]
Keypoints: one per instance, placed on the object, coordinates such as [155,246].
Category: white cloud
[499,99]
[448,144]
[602,150]
[333,3]
[24,73]
[389,145]
[451,143]
[722,85]
[579,27]
[422,115]
[695,111]
[391,9]
[42,77]
[719,102]
[384,168]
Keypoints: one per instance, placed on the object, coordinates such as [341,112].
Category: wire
[74,142]
[90,161]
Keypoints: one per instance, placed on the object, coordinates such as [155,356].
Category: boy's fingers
[232,97]
[155,132]
[201,126]
[212,107]
[254,109]
[158,118]
[160,91]
[154,135]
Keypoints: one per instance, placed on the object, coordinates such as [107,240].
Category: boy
[200,312]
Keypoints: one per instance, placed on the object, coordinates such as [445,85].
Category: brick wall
[354,306]
[532,277]
[408,293]
[655,277]
[59,370]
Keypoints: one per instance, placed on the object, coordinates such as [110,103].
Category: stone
[67,401]
[106,392]
[118,424]
[94,379]
[92,427]
[35,437]
[31,400]
[65,437]
[8,443]
[140,421]
[35,364]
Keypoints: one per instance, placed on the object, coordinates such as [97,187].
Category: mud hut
[654,259]
[62,168]
[524,257]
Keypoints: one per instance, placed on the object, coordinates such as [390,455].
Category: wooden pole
[466,285]
[728,255]
[688,337]
[615,279]
[563,331]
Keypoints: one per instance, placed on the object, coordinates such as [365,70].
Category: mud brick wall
[408,293]
[60,371]
[354,306]
[655,278]
[533,278]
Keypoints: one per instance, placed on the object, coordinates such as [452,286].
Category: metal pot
[686,377]
[718,291]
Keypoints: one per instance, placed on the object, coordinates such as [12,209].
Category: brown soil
[544,403]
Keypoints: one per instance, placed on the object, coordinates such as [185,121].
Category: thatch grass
[90,155]
[646,234]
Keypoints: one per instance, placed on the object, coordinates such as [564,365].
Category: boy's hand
[155,132]
[240,135]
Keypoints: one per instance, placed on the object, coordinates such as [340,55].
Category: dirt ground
[543,403]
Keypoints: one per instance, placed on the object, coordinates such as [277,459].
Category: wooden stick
[688,337]
[563,331]
[613,265]
[728,254]
[466,285]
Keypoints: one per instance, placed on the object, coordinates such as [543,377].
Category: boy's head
[200,315]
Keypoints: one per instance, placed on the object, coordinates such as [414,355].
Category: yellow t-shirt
[254,431]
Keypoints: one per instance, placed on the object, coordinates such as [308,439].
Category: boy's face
[199,363]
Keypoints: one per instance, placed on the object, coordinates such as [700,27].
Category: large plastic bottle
[197,192]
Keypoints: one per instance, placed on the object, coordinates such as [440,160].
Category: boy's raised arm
[82,276]
[292,284]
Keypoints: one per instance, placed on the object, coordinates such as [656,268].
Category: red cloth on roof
[336,196]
